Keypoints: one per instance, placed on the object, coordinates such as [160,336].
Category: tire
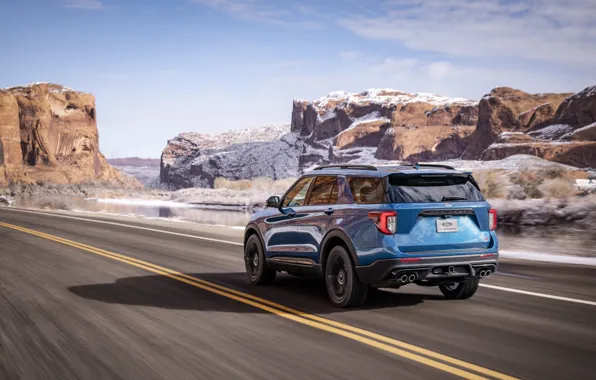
[254,261]
[460,290]
[343,286]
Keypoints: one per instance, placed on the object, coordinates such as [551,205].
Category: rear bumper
[387,272]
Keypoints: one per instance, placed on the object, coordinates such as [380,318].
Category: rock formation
[383,125]
[195,160]
[557,127]
[48,134]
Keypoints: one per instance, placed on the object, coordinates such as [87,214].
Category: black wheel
[343,287]
[459,290]
[256,266]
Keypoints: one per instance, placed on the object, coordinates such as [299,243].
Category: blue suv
[363,227]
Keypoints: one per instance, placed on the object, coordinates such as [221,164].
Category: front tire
[343,286]
[256,266]
[460,290]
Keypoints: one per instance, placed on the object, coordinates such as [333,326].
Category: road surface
[89,297]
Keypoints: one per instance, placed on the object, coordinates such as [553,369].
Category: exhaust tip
[488,272]
[403,278]
[482,273]
[412,278]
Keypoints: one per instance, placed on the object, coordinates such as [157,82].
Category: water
[562,241]
[140,207]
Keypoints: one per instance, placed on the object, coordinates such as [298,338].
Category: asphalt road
[108,298]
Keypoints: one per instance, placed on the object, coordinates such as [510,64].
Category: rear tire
[343,286]
[460,290]
[256,266]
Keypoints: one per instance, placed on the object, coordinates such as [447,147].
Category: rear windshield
[432,188]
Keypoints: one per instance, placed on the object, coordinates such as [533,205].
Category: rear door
[438,212]
[316,215]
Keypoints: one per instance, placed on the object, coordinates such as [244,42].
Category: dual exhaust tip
[405,278]
[485,273]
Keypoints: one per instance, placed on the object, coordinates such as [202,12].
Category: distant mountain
[145,170]
[134,161]
[385,125]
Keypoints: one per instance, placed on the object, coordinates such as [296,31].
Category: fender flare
[255,228]
[337,233]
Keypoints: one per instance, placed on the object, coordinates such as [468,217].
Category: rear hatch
[439,213]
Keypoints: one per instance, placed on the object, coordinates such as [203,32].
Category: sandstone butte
[412,127]
[48,134]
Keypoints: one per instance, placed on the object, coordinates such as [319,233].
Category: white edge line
[542,295]
[511,290]
[128,225]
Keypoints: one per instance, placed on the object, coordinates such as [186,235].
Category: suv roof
[382,170]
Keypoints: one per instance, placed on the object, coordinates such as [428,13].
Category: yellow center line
[363,336]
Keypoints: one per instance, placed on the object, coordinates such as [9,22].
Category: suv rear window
[432,188]
[367,190]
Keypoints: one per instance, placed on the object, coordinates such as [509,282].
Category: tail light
[492,219]
[386,221]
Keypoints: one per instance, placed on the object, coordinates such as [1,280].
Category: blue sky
[161,67]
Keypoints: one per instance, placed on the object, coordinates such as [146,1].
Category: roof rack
[417,165]
[346,166]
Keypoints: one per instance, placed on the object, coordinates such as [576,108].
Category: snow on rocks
[552,132]
[387,97]
[196,160]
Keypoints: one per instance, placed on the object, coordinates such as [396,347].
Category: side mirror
[273,202]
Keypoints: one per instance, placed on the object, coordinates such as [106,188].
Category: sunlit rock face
[48,133]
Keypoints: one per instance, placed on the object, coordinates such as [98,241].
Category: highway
[99,297]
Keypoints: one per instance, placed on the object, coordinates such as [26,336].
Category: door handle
[329,211]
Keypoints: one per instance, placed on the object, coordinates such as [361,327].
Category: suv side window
[324,191]
[297,195]
[367,190]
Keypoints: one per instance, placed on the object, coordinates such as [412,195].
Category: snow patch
[368,118]
[53,88]
[582,129]
[507,134]
[552,132]
[326,116]
[387,97]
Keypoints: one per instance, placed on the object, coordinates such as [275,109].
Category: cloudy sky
[161,67]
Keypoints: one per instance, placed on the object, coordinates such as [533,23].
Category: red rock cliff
[48,133]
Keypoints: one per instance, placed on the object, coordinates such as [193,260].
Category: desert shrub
[557,188]
[224,183]
[515,191]
[530,181]
[262,183]
[493,184]
[554,171]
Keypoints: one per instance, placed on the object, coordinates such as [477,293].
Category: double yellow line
[418,354]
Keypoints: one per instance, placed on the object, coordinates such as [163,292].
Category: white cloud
[349,55]
[562,31]
[83,4]
[440,77]
[261,10]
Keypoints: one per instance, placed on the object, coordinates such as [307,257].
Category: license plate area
[447,225]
